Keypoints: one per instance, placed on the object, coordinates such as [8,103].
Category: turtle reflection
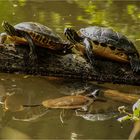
[13,107]
[19,108]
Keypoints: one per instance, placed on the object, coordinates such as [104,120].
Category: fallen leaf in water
[68,102]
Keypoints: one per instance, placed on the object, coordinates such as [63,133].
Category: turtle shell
[37,28]
[108,37]
[41,35]
[113,45]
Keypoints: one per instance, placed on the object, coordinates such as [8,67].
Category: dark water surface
[38,122]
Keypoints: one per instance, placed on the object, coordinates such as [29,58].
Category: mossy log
[16,60]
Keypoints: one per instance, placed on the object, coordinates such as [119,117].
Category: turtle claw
[33,60]
[67,48]
[88,49]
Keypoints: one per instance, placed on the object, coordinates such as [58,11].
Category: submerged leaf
[68,102]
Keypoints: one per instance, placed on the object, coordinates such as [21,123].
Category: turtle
[105,42]
[34,34]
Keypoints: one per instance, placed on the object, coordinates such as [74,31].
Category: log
[120,96]
[50,63]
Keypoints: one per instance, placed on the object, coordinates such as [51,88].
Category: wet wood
[68,102]
[71,66]
[120,96]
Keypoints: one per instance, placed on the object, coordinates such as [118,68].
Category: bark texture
[16,59]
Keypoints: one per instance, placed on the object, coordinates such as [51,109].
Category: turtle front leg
[89,50]
[33,53]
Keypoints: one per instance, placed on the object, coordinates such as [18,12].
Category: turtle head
[6,27]
[72,35]
[9,29]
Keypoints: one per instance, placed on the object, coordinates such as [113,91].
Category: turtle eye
[121,54]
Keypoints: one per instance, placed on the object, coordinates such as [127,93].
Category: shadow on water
[39,122]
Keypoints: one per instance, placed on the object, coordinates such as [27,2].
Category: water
[39,122]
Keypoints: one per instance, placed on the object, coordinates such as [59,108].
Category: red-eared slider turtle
[105,42]
[33,33]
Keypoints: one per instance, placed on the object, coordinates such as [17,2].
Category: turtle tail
[135,63]
[9,29]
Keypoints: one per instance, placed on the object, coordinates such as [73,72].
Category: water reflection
[23,89]
[97,117]
[16,91]
[16,99]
